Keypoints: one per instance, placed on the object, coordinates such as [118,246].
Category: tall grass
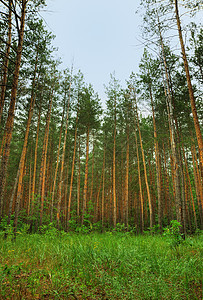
[99,266]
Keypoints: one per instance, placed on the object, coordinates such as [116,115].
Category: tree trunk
[35,165]
[176,162]
[86,176]
[158,165]
[114,167]
[6,62]
[127,179]
[24,150]
[10,118]
[190,187]
[92,180]
[63,158]
[190,89]
[103,188]
[57,165]
[44,156]
[139,179]
[78,183]
[72,171]
[145,169]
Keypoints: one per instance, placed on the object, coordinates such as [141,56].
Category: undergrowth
[113,265]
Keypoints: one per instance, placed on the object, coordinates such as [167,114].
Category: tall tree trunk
[190,187]
[6,61]
[86,176]
[19,177]
[103,188]
[24,150]
[127,179]
[176,165]
[144,165]
[139,179]
[57,165]
[72,171]
[92,180]
[197,185]
[35,165]
[10,118]
[44,157]
[158,164]
[63,157]
[190,89]
[166,188]
[114,167]
[78,182]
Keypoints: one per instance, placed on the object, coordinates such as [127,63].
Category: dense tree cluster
[65,160]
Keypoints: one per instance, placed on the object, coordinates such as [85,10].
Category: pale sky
[100,35]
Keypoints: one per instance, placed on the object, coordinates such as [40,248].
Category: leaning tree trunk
[176,162]
[10,118]
[190,89]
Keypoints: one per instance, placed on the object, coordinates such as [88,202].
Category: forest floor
[100,266]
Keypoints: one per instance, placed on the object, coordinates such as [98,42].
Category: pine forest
[73,163]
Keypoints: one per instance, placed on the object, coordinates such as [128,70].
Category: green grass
[99,266]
